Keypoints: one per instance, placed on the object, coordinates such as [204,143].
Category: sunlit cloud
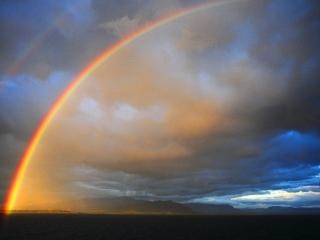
[278,196]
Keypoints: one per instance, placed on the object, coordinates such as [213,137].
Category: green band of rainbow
[20,171]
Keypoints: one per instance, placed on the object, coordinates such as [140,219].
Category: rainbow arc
[13,191]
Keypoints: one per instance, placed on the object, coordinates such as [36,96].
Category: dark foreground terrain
[67,226]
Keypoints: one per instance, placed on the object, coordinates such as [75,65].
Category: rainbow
[21,169]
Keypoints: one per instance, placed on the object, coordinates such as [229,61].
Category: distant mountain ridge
[127,205]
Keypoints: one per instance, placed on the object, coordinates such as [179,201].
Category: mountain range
[126,205]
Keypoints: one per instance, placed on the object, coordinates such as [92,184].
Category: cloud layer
[208,108]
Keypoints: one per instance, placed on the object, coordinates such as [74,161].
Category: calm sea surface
[80,227]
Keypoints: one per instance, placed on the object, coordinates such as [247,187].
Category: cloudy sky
[220,106]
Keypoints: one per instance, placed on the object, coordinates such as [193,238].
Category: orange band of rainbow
[20,171]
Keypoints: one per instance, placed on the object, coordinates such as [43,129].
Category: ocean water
[55,227]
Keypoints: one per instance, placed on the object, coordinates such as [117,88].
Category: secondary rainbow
[20,171]
[37,42]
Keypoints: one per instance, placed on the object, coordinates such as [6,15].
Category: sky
[220,106]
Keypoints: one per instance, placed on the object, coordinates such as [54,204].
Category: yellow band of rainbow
[20,171]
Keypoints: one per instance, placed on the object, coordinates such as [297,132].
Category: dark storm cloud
[288,38]
[283,40]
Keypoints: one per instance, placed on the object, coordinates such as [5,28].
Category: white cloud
[91,109]
[277,195]
[121,26]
